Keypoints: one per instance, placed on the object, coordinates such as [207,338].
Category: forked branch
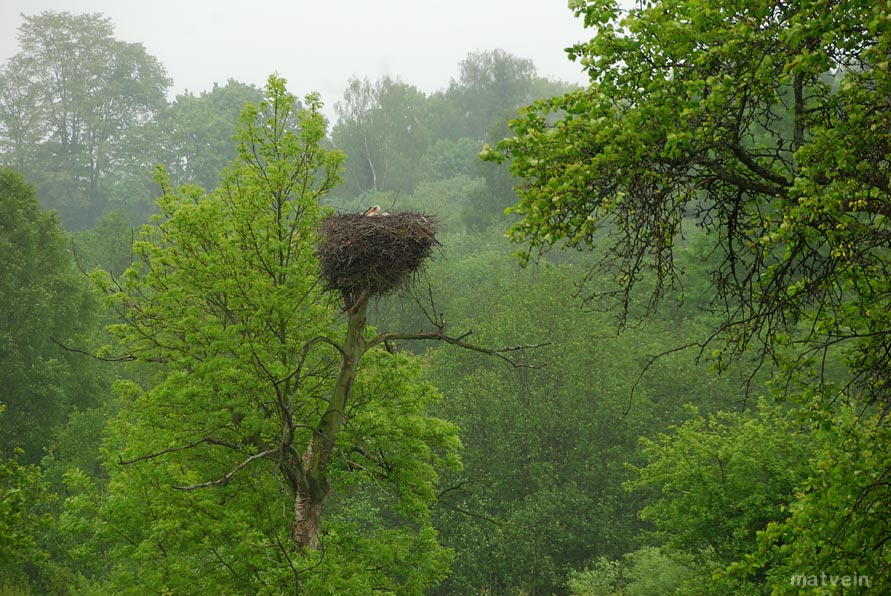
[224,480]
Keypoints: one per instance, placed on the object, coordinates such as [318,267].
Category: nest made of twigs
[375,254]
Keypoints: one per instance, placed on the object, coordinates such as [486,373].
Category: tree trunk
[370,164]
[307,519]
[312,490]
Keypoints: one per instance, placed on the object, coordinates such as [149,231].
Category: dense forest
[650,353]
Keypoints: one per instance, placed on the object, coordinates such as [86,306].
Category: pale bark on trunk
[307,520]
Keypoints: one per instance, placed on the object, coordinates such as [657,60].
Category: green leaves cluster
[23,496]
[399,139]
[850,475]
[716,481]
[541,491]
[44,303]
[222,297]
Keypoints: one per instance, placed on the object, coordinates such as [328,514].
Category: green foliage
[379,535]
[397,138]
[541,489]
[603,578]
[652,572]
[447,159]
[716,481]
[489,84]
[454,201]
[212,296]
[850,475]
[191,137]
[23,496]
[44,302]
[107,245]
[11,587]
[522,510]
[724,118]
[738,150]
[490,88]
[645,572]
[765,125]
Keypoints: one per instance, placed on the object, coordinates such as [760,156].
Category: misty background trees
[71,96]
[687,170]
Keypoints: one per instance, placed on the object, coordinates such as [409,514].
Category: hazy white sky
[317,45]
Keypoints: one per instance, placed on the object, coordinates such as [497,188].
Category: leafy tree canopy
[191,137]
[22,493]
[489,84]
[382,129]
[765,124]
[714,482]
[849,475]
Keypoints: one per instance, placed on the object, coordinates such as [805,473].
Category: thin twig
[125,358]
[651,362]
[207,440]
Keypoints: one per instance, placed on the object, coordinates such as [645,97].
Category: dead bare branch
[440,335]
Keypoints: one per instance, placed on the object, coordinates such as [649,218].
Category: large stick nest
[375,254]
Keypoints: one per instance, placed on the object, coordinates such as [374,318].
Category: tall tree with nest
[260,413]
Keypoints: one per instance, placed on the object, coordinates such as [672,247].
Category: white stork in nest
[374,210]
